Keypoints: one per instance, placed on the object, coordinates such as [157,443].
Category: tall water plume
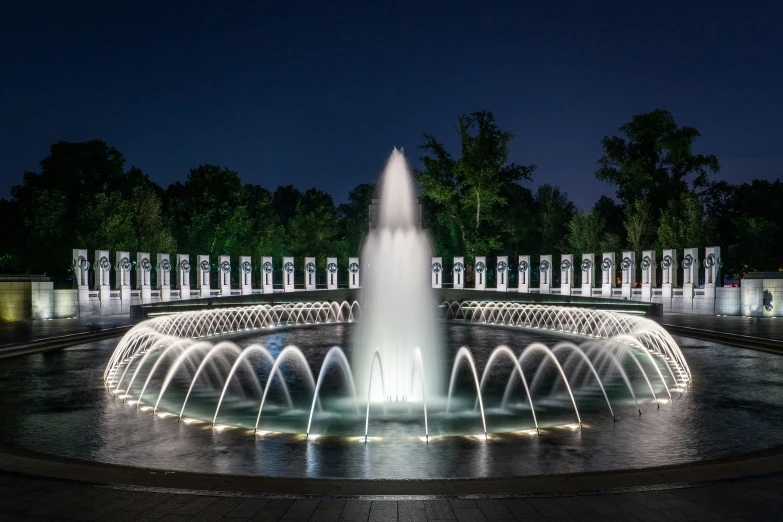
[399,307]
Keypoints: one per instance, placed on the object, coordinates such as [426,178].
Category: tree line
[475,202]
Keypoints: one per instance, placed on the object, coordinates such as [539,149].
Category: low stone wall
[762,289]
[33,297]
[25,297]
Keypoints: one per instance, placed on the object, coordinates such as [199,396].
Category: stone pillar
[164,277]
[628,268]
[459,272]
[289,272]
[183,276]
[648,267]
[224,274]
[712,276]
[144,276]
[331,273]
[203,276]
[545,274]
[668,277]
[588,274]
[246,275]
[437,272]
[267,275]
[81,276]
[608,282]
[481,272]
[501,274]
[566,274]
[712,280]
[690,277]
[122,282]
[103,280]
[310,273]
[523,284]
[354,270]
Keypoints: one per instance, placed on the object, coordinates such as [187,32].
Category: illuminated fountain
[188,365]
[397,292]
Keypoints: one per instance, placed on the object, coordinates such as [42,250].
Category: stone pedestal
[310,273]
[649,274]
[144,276]
[588,274]
[224,275]
[267,275]
[103,280]
[436,272]
[523,273]
[608,282]
[164,276]
[122,281]
[690,277]
[289,272]
[545,274]
[183,276]
[354,271]
[480,269]
[712,276]
[331,273]
[204,285]
[501,274]
[668,277]
[81,276]
[459,272]
[566,274]
[705,300]
[246,275]
[628,270]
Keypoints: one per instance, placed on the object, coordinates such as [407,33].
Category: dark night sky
[317,95]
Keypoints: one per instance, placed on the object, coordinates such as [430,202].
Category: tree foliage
[654,161]
[467,193]
[474,203]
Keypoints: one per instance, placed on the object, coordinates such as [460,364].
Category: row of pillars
[123,265]
[607,264]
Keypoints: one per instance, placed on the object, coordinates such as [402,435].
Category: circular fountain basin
[730,407]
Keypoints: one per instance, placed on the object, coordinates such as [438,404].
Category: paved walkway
[763,327]
[26,331]
[29,498]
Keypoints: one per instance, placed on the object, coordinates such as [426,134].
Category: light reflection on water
[56,403]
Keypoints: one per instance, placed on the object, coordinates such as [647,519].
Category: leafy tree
[612,215]
[209,212]
[553,214]
[268,236]
[285,202]
[354,218]
[467,193]
[654,161]
[684,224]
[586,231]
[638,225]
[313,229]
[61,206]
[519,220]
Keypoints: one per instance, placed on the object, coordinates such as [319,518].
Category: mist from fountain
[396,295]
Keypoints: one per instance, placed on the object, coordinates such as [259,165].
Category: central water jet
[399,307]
